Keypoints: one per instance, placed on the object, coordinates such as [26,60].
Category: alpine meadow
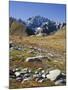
[37,44]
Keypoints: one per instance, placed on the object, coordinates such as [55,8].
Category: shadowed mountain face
[33,25]
[45,24]
[37,21]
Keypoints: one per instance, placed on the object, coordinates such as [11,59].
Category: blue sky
[24,10]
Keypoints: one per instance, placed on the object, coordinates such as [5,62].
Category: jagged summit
[36,21]
[33,26]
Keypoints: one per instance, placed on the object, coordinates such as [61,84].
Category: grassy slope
[52,42]
[55,43]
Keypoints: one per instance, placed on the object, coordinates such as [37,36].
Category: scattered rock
[17,74]
[11,44]
[61,76]
[53,74]
[50,54]
[18,48]
[35,76]
[44,75]
[12,74]
[40,75]
[27,75]
[60,82]
[25,70]
[33,59]
[17,70]
[19,78]
[43,71]
[26,79]
[40,79]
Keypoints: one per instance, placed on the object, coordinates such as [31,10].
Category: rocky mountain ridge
[36,25]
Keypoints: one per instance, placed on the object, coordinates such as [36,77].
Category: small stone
[36,72]
[32,59]
[61,76]
[17,73]
[25,70]
[42,71]
[44,75]
[60,82]
[18,78]
[17,69]
[36,75]
[41,80]
[29,70]
[26,75]
[39,69]
[26,79]
[12,74]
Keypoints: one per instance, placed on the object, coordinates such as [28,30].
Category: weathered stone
[39,75]
[39,79]
[17,74]
[26,79]
[36,72]
[60,82]
[12,74]
[19,78]
[29,70]
[53,74]
[17,70]
[43,71]
[27,75]
[25,70]
[35,75]
[61,76]
[11,44]
[17,48]
[32,59]
[43,75]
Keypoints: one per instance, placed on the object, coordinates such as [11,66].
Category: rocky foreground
[31,66]
[39,75]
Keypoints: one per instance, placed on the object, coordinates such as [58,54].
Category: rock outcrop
[39,75]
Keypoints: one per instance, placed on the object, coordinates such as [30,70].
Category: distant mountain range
[33,25]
